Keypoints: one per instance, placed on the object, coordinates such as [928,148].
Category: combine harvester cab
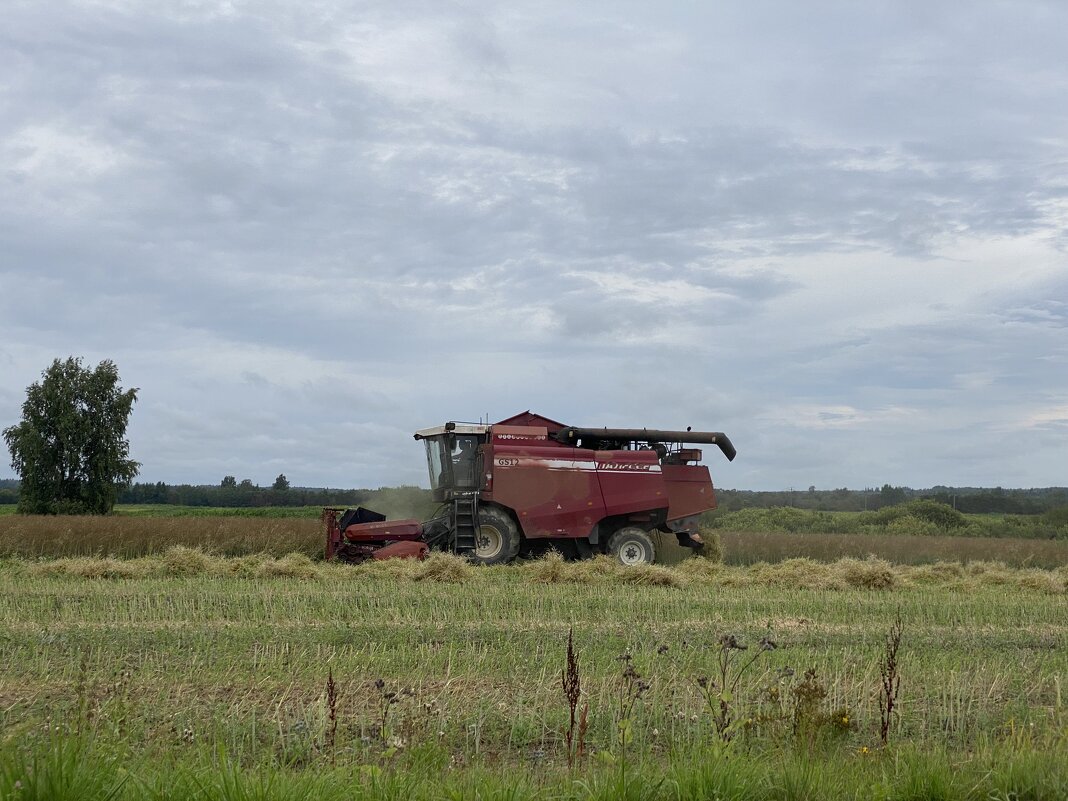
[529,481]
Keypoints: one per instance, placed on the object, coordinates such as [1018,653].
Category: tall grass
[127,537]
[916,518]
[172,510]
[748,547]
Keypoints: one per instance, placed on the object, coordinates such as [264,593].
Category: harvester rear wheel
[497,541]
[632,546]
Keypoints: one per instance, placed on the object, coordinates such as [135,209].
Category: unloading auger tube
[570,435]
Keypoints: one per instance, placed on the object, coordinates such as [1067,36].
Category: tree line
[245,494]
[71,452]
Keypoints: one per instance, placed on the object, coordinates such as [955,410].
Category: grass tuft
[700,570]
[601,567]
[444,567]
[89,568]
[938,573]
[243,566]
[1041,581]
[293,565]
[396,569]
[650,575]
[990,573]
[183,561]
[799,573]
[870,574]
[552,569]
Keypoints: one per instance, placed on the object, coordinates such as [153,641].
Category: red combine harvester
[528,481]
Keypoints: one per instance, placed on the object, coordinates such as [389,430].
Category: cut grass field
[188,675]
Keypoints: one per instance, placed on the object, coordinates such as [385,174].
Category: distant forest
[244,494]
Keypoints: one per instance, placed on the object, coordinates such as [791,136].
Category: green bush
[777,518]
[943,516]
[1057,517]
[908,524]
[938,514]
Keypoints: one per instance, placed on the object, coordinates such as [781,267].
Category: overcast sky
[835,231]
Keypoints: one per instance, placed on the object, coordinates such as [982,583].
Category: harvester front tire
[632,546]
[498,540]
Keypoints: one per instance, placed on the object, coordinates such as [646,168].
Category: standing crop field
[136,531]
[750,547]
[186,675]
[128,536]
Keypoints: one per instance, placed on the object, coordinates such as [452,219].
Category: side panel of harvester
[553,490]
[689,489]
[631,482]
[559,491]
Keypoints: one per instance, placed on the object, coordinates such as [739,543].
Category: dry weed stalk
[891,681]
[571,683]
[331,711]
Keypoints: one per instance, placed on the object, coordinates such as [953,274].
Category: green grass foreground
[78,769]
[192,676]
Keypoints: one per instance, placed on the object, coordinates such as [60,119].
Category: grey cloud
[1052,313]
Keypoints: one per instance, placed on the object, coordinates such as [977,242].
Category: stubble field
[183,675]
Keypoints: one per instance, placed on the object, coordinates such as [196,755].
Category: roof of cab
[452,428]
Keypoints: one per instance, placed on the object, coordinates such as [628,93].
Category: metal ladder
[465,523]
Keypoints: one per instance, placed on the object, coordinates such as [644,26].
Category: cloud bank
[305,230]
